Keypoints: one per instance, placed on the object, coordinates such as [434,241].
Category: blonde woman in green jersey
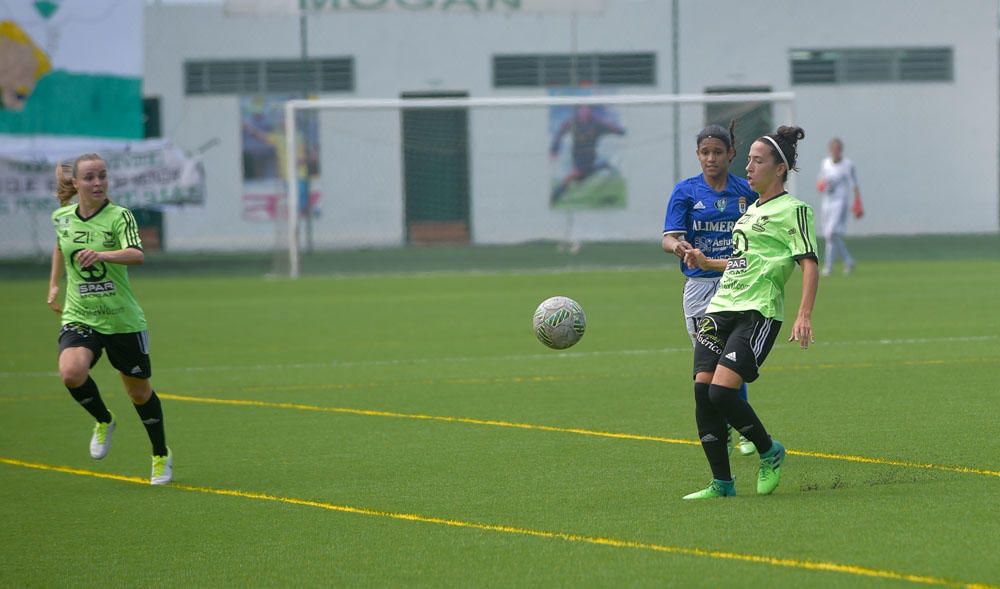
[743,319]
[95,242]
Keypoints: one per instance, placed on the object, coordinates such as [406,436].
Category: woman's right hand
[53,301]
[694,258]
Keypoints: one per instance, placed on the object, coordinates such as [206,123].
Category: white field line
[548,356]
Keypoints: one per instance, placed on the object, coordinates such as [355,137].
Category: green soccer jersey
[767,241]
[99,296]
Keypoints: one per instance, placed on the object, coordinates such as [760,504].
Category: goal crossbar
[292,106]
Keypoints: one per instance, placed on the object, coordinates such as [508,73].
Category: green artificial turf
[407,429]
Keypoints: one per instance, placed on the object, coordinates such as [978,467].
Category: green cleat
[100,441]
[715,489]
[163,469]
[769,474]
[746,447]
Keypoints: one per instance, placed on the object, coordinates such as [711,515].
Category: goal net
[571,167]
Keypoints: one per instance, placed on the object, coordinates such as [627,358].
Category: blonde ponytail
[65,191]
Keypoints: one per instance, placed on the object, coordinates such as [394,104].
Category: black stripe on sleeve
[131,230]
[803,217]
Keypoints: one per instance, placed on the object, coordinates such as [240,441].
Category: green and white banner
[148,174]
[69,70]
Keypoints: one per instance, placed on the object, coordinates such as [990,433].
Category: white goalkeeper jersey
[841,178]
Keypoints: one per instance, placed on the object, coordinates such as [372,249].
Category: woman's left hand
[53,300]
[694,258]
[802,332]
[87,257]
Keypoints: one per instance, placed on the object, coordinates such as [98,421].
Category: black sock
[89,398]
[151,415]
[740,415]
[712,431]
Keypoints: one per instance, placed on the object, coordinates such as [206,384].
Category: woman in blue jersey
[700,215]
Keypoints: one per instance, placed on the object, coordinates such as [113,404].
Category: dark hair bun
[790,134]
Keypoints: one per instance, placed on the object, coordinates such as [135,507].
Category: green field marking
[808,565]
[566,430]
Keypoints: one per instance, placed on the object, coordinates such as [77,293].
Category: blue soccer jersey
[707,217]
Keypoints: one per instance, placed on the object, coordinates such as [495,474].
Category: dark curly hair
[787,139]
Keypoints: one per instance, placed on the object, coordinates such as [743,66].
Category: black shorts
[739,340]
[128,352]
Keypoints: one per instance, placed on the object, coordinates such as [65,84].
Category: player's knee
[720,395]
[139,392]
[706,415]
[701,393]
[73,376]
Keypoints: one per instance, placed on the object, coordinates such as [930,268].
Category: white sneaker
[825,272]
[848,268]
[163,469]
[100,441]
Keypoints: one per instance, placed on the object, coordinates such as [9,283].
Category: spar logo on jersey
[736,264]
[90,289]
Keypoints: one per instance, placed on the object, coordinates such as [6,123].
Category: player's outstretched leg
[89,397]
[712,431]
[100,441]
[163,469]
[715,489]
[769,474]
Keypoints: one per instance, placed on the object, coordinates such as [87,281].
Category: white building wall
[913,143]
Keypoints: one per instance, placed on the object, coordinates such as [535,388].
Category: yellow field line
[420,416]
[810,565]
[564,430]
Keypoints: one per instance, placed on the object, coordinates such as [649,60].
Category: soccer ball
[559,322]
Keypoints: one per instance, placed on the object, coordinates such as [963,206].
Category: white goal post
[292,107]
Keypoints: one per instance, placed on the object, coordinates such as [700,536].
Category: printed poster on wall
[69,69]
[585,151]
[264,159]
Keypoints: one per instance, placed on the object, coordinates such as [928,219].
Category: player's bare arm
[695,258]
[129,256]
[55,274]
[674,243]
[802,328]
